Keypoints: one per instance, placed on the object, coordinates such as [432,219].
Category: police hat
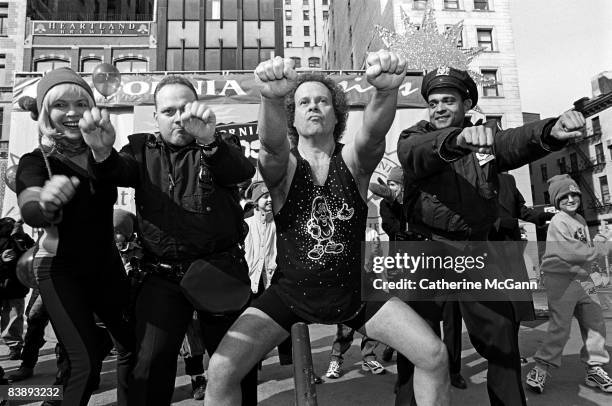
[450,77]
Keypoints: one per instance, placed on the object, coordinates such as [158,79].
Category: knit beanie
[259,189]
[396,175]
[57,77]
[560,186]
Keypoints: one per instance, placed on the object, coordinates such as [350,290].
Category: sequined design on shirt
[321,228]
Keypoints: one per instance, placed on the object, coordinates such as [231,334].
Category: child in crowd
[569,253]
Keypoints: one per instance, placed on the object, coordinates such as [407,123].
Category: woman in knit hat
[569,253]
[77,265]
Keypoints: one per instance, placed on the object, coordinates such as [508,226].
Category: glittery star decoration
[425,48]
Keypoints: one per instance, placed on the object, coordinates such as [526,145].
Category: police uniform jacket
[448,194]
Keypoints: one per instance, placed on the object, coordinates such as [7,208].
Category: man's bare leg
[400,327]
[249,339]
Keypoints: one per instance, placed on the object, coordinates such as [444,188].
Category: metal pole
[303,372]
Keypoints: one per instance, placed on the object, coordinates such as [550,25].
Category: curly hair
[338,101]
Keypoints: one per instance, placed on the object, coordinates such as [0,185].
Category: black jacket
[448,195]
[11,248]
[511,209]
[187,207]
[446,191]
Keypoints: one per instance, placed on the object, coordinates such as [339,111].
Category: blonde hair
[46,132]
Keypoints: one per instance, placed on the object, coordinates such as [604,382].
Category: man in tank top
[318,191]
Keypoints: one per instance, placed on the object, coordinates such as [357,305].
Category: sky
[560,45]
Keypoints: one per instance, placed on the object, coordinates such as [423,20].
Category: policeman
[450,194]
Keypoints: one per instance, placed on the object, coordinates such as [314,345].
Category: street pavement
[355,387]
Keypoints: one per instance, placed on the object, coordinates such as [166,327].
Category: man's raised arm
[278,77]
[386,72]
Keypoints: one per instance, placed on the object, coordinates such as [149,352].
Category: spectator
[13,243]
[570,290]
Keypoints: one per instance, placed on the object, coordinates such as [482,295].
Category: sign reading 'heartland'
[92,28]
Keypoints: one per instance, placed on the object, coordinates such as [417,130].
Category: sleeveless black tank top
[319,234]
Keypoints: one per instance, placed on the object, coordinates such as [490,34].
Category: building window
[573,162]
[88,64]
[287,2]
[305,2]
[325,2]
[481,4]
[45,65]
[307,31]
[497,118]
[314,62]
[325,14]
[599,154]
[213,9]
[460,39]
[297,62]
[546,198]
[289,44]
[485,38]
[306,14]
[3,25]
[562,165]
[288,15]
[2,61]
[451,4]
[544,172]
[605,190]
[306,44]
[288,30]
[596,125]
[419,4]
[494,89]
[141,65]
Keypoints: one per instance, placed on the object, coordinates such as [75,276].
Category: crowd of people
[210,267]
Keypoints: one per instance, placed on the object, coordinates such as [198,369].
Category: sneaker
[335,369]
[374,367]
[198,387]
[15,354]
[598,378]
[536,378]
[21,374]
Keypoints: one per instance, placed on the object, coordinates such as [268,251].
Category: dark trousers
[38,319]
[493,332]
[343,341]
[72,293]
[162,316]
[451,327]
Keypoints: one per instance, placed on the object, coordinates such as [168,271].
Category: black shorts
[271,304]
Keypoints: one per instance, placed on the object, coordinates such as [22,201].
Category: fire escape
[587,165]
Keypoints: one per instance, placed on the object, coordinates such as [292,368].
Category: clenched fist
[200,121]
[98,132]
[386,70]
[477,138]
[570,125]
[278,77]
[56,192]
